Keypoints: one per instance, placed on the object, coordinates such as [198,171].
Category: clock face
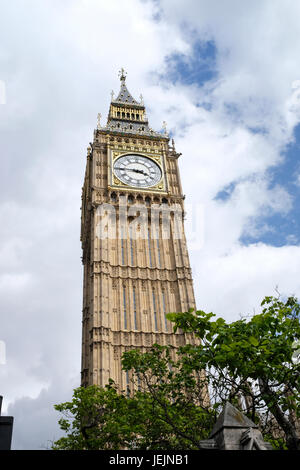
[137,170]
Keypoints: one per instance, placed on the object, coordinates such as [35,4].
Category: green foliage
[260,348]
[179,395]
[176,396]
[97,418]
[251,358]
[102,418]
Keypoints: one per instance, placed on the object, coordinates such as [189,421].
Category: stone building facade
[234,431]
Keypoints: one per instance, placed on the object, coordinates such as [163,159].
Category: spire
[124,96]
[126,115]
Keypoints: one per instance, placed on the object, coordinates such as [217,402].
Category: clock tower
[136,264]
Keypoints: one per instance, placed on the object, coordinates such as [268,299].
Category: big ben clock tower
[136,264]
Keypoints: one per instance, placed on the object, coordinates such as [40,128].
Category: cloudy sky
[225,75]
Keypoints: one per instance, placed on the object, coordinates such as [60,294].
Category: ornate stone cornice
[134,338]
[142,273]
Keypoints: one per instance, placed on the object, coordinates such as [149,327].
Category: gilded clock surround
[115,182]
[129,285]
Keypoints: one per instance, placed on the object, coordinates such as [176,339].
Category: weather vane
[122,74]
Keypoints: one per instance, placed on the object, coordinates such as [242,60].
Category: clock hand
[132,169]
[138,171]
[128,169]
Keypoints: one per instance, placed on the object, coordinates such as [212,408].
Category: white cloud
[257,77]
[297,181]
[236,282]
[59,62]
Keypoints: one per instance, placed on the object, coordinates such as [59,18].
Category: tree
[176,396]
[95,419]
[105,418]
[251,361]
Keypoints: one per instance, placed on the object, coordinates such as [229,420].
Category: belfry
[136,264]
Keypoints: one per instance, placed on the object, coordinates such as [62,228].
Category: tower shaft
[136,264]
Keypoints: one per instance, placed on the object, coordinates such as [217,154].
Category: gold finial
[122,74]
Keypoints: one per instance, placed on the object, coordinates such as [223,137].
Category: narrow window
[124,308]
[149,247]
[134,309]
[164,310]
[158,252]
[131,251]
[122,247]
[154,309]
